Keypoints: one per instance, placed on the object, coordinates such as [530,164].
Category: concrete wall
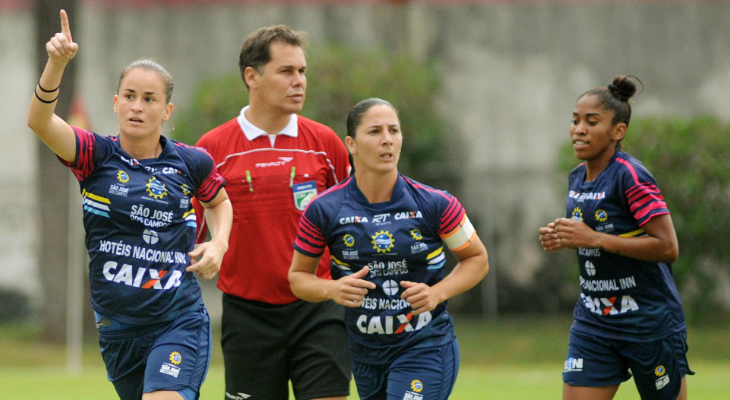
[512,71]
[19,199]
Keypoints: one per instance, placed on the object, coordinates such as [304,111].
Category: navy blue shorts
[172,356]
[657,366]
[417,374]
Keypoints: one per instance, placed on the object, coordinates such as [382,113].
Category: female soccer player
[629,316]
[386,233]
[154,330]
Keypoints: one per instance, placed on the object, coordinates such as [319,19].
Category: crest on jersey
[156,189]
[122,176]
[304,193]
[601,215]
[383,241]
[416,234]
[349,240]
[416,385]
[577,214]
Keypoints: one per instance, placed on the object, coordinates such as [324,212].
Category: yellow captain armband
[461,237]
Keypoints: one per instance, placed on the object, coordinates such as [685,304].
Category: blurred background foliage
[337,78]
[687,156]
[689,159]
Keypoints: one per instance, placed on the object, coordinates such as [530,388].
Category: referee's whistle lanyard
[292,174]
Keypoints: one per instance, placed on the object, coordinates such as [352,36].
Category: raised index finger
[65,28]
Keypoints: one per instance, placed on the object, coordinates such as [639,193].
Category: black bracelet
[47,91]
[44,101]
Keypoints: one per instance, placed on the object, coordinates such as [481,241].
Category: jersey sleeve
[455,229]
[206,175]
[310,240]
[90,148]
[643,196]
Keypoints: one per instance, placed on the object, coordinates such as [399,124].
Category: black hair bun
[623,87]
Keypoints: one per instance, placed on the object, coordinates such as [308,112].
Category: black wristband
[47,91]
[44,101]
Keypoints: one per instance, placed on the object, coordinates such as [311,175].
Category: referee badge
[304,193]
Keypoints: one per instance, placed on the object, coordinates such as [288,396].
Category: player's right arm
[348,291]
[50,128]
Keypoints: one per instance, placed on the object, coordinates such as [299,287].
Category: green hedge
[337,78]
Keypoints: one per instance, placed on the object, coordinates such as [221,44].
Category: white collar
[252,132]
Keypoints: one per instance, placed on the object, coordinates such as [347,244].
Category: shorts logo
[573,365]
[577,214]
[122,176]
[663,380]
[383,241]
[412,396]
[175,358]
[169,369]
[601,215]
[237,396]
[416,385]
[349,240]
[156,188]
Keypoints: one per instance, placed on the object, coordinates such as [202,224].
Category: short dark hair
[255,52]
[354,117]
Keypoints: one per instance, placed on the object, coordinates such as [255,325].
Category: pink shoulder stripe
[630,168]
[312,232]
[419,186]
[647,217]
[307,248]
[634,205]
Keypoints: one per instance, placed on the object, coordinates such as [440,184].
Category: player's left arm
[659,244]
[206,258]
[472,268]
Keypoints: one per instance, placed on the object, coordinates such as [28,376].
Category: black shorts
[265,346]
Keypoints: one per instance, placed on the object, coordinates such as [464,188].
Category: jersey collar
[252,132]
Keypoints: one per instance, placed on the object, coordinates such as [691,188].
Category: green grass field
[510,358]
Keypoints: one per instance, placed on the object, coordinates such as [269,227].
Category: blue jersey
[622,297]
[140,225]
[402,239]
